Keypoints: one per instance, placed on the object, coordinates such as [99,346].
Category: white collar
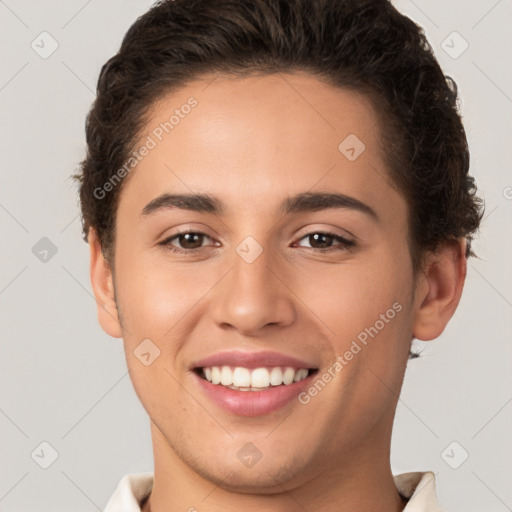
[419,487]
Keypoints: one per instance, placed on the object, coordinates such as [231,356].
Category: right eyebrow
[194,202]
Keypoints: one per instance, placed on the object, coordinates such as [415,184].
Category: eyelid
[182,230]
[344,243]
[347,235]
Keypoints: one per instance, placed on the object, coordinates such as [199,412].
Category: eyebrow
[303,202]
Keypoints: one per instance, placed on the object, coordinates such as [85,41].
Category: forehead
[244,138]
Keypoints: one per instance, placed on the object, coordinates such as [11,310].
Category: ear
[439,289]
[103,286]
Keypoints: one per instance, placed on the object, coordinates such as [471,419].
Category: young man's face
[258,280]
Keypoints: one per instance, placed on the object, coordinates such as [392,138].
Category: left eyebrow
[321,201]
[303,202]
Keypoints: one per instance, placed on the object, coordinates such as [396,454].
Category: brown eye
[322,241]
[188,241]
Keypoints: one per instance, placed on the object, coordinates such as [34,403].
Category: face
[262,264]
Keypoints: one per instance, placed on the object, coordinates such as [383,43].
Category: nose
[254,296]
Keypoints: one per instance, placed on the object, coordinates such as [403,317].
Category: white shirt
[419,488]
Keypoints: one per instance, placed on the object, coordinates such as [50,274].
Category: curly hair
[362,45]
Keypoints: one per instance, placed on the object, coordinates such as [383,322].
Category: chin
[264,477]
[251,481]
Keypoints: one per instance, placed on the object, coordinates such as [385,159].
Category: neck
[360,480]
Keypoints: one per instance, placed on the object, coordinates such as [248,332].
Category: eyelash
[345,244]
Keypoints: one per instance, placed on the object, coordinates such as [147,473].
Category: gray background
[65,382]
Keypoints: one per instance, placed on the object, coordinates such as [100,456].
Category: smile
[252,391]
[257,379]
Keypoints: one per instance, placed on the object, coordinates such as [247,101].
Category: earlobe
[103,287]
[439,292]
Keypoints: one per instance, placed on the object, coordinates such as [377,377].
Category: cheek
[155,293]
[352,296]
[157,303]
[368,313]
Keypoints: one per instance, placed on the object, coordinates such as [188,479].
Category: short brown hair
[365,45]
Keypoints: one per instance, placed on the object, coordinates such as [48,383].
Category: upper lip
[251,360]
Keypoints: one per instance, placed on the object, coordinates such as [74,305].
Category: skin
[252,142]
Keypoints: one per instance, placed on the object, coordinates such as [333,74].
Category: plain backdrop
[64,382]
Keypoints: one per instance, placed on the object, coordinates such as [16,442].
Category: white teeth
[226,376]
[300,375]
[260,378]
[215,375]
[255,379]
[276,376]
[288,376]
[241,377]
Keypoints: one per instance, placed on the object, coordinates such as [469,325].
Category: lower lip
[253,403]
